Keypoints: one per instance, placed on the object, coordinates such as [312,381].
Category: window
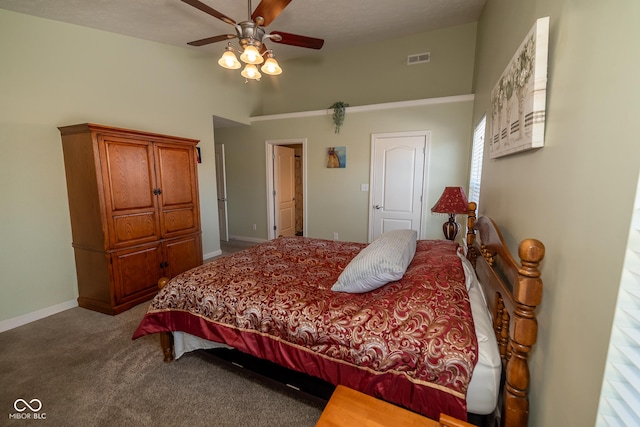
[477,151]
[620,395]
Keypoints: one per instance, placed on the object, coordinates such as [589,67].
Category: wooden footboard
[513,291]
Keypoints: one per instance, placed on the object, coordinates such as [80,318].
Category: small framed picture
[337,157]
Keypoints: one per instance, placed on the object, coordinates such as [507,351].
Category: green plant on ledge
[339,110]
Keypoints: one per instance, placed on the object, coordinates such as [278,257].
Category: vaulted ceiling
[341,23]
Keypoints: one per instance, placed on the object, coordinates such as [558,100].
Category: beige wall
[56,74]
[576,193]
[376,73]
[334,199]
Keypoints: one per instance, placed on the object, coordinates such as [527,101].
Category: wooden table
[348,407]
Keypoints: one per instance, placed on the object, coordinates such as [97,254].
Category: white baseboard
[247,239]
[15,322]
[212,254]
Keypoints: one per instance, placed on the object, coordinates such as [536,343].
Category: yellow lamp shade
[251,55]
[228,60]
[251,72]
[271,67]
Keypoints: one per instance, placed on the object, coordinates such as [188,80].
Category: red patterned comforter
[410,342]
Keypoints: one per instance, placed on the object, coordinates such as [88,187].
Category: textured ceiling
[341,23]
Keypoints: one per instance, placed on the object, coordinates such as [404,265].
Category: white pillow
[480,313]
[469,271]
[479,310]
[384,260]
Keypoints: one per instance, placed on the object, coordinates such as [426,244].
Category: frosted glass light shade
[251,72]
[251,56]
[271,67]
[228,60]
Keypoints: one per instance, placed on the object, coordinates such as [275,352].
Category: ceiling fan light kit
[252,36]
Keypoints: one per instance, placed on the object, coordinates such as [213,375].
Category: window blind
[477,152]
[620,395]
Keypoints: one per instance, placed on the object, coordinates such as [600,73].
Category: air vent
[418,58]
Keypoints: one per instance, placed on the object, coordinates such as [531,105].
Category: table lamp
[453,201]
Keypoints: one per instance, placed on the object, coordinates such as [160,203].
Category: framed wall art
[518,100]
[337,157]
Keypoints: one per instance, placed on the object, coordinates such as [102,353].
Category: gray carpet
[86,371]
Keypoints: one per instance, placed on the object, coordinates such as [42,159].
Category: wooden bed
[512,291]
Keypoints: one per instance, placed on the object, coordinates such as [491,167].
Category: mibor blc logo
[28,410]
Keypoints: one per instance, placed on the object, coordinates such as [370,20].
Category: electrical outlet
[254,227]
[335,235]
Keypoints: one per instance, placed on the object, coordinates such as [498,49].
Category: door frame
[427,137]
[269,144]
[221,174]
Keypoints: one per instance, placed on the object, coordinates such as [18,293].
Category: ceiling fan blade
[297,40]
[210,40]
[269,10]
[211,11]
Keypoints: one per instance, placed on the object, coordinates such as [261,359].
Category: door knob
[378,206]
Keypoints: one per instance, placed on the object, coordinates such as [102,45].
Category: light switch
[364,187]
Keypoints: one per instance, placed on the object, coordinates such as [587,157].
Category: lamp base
[451,228]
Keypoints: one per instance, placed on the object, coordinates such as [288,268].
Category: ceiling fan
[252,36]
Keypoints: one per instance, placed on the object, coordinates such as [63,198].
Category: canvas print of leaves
[518,100]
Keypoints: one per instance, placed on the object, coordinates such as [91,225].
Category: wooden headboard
[512,290]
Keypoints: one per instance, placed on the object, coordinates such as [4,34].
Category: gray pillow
[384,260]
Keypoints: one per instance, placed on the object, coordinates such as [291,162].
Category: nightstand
[348,407]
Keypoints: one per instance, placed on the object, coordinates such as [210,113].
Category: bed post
[527,295]
[471,231]
[166,338]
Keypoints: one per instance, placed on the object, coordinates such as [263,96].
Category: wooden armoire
[135,214]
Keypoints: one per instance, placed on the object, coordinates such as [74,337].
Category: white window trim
[620,395]
[477,154]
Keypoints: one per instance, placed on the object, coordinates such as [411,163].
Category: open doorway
[221,187]
[221,179]
[286,201]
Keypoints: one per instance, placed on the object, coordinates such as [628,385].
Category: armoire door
[129,181]
[178,191]
[182,254]
[136,272]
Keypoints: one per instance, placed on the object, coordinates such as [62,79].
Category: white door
[221,183]
[285,190]
[397,180]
